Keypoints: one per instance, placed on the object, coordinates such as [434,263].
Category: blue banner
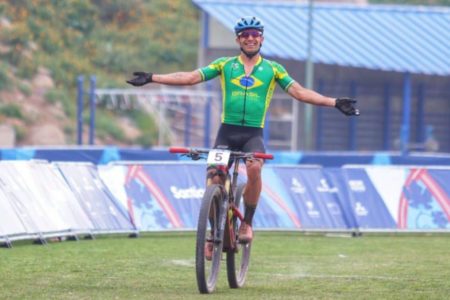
[312,198]
[168,196]
[105,155]
[38,198]
[365,203]
[165,195]
[425,201]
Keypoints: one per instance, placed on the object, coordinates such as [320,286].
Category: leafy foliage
[11,110]
[106,38]
[5,81]
[106,126]
[147,126]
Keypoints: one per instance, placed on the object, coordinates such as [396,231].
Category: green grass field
[283,266]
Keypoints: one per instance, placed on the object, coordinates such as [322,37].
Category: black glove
[346,106]
[141,78]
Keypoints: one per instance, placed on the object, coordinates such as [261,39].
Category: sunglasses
[254,33]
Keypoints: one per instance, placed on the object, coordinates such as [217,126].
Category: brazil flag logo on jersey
[247,82]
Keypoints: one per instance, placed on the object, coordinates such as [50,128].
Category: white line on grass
[183,262]
[358,277]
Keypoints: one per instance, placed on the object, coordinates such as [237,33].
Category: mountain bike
[219,219]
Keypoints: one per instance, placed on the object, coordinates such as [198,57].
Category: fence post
[92,109]
[207,120]
[319,121]
[206,134]
[352,140]
[387,117]
[420,127]
[187,124]
[404,134]
[80,91]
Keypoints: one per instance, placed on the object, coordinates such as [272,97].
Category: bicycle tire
[207,271]
[238,259]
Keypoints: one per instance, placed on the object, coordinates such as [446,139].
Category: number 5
[218,157]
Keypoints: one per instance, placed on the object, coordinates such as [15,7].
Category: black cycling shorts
[240,138]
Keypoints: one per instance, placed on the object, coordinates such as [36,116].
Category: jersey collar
[257,62]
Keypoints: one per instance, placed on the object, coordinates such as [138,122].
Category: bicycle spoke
[209,237]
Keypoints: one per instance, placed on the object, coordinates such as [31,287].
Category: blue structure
[104,155]
[410,42]
[411,39]
[80,108]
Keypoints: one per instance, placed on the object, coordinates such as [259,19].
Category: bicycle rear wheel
[207,269]
[238,259]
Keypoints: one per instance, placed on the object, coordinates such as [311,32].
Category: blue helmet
[248,22]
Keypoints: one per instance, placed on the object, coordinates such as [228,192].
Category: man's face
[250,40]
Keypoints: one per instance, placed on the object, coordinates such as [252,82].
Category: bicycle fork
[217,230]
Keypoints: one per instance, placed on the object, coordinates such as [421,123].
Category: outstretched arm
[309,96]
[344,105]
[177,78]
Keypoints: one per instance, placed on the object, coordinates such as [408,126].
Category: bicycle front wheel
[209,235]
[238,258]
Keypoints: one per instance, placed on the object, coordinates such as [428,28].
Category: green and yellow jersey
[246,99]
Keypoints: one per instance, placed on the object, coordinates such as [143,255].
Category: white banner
[104,210]
[10,223]
[22,199]
[59,196]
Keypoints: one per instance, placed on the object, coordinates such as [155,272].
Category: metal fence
[190,117]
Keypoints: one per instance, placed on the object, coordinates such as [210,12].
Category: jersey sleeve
[282,76]
[213,70]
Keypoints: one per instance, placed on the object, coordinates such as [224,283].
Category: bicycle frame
[230,187]
[233,211]
[226,195]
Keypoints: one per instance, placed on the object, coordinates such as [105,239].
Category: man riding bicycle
[248,82]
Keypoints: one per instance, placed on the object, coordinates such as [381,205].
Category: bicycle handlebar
[179,150]
[188,151]
[262,155]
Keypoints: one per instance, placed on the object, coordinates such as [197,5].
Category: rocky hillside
[30,115]
[45,45]
[34,121]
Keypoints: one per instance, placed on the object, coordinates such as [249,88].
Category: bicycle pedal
[244,243]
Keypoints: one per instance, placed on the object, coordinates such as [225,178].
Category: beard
[251,54]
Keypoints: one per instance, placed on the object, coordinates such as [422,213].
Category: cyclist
[248,82]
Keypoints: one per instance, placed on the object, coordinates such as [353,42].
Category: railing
[191,117]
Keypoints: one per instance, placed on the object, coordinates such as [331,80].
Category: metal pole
[207,127]
[309,78]
[80,92]
[92,110]
[404,134]
[387,117]
[203,44]
[203,39]
[161,114]
[187,125]
[294,134]
[319,120]
[352,127]
[420,127]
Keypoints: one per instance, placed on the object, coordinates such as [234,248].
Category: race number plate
[218,157]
